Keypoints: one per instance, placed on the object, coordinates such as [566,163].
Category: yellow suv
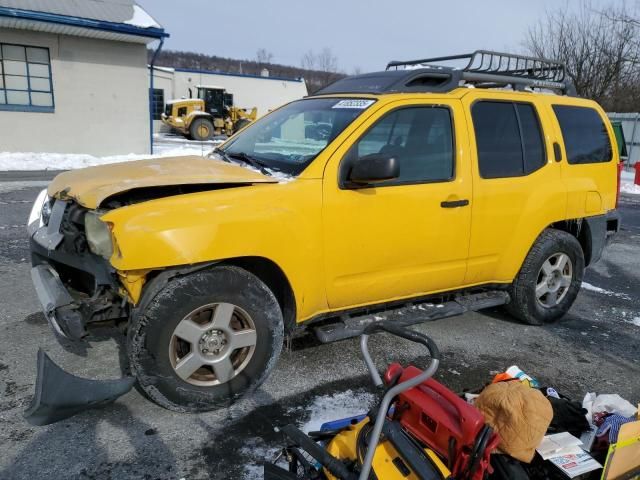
[430,186]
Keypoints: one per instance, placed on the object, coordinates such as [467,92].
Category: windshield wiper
[222,154]
[254,162]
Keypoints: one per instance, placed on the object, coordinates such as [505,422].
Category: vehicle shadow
[81,348]
[82,448]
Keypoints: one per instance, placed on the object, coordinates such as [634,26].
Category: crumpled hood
[91,186]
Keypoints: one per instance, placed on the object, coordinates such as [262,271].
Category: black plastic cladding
[484,69]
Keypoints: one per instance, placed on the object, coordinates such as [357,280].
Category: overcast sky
[362,34]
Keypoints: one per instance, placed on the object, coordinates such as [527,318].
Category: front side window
[585,137]
[508,138]
[25,78]
[289,138]
[420,138]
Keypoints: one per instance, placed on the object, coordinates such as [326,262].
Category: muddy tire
[205,339]
[549,279]
[201,129]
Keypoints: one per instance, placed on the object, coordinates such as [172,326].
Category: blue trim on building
[213,72]
[26,108]
[89,23]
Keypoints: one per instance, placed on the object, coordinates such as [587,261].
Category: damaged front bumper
[59,395]
[75,288]
[58,305]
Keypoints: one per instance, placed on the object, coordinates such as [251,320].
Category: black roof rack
[483,69]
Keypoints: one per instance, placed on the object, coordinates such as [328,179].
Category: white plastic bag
[608,402]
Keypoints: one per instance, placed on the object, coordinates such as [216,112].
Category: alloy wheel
[554,279]
[212,344]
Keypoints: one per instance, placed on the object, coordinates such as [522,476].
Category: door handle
[454,203]
[557,153]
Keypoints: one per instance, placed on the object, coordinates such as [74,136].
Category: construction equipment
[421,430]
[211,113]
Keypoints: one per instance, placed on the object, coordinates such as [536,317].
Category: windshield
[288,139]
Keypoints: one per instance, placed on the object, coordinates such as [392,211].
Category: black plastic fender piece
[60,395]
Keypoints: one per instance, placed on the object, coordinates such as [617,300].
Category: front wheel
[549,279]
[206,339]
[201,129]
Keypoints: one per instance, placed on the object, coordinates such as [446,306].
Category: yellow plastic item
[344,445]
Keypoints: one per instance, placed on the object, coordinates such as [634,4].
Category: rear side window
[509,139]
[585,136]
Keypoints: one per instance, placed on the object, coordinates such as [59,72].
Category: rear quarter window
[585,136]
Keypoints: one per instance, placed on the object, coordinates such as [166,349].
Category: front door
[404,237]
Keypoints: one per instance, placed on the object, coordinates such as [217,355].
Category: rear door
[518,188]
[589,159]
[407,236]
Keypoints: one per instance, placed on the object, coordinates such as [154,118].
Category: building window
[25,78]
[157,105]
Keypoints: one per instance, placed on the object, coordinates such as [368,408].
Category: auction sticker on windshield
[358,104]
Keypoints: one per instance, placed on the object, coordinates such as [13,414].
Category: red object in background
[637,179]
[445,423]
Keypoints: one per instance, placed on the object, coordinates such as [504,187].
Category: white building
[73,76]
[263,92]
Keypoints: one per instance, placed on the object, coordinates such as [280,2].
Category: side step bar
[413,314]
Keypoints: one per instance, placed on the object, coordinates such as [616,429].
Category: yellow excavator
[211,113]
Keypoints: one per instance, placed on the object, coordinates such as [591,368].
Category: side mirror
[374,168]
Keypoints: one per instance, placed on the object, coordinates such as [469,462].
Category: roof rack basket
[485,68]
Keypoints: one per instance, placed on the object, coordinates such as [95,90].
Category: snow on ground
[256,452]
[626,182]
[593,288]
[68,161]
[326,408]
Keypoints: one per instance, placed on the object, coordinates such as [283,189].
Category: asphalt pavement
[594,348]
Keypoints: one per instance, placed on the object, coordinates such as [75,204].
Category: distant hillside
[315,79]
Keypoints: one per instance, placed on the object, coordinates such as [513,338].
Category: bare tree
[263,56]
[599,48]
[327,61]
[309,60]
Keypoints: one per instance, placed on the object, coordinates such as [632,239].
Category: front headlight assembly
[98,235]
[36,210]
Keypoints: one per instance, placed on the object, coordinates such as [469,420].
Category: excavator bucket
[60,395]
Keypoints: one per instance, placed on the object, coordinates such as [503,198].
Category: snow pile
[626,183]
[593,288]
[141,19]
[326,408]
[68,161]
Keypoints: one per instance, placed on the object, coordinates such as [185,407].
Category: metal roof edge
[214,72]
[151,32]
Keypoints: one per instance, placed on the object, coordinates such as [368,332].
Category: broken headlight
[36,210]
[98,235]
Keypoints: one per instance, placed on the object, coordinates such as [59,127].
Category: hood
[91,186]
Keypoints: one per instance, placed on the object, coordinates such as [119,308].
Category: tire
[158,349]
[240,124]
[543,295]
[201,129]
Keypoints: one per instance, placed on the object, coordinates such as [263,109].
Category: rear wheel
[201,129]
[549,279]
[206,339]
